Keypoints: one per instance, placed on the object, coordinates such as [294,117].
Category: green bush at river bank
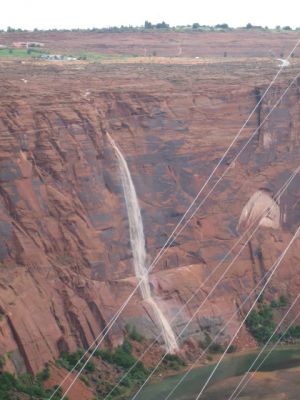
[261,324]
[11,387]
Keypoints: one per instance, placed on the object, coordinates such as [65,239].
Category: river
[234,365]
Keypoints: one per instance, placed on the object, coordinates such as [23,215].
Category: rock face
[65,258]
[261,209]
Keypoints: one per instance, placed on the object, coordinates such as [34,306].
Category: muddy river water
[282,358]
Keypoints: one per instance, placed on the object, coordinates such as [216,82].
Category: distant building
[27,45]
[57,57]
[35,44]
[19,45]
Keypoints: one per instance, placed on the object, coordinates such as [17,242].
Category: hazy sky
[31,14]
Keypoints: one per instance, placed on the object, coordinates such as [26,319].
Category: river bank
[284,357]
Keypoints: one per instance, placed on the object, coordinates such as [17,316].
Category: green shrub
[11,386]
[126,381]
[206,342]
[85,380]
[127,346]
[97,353]
[7,386]
[172,361]
[133,334]
[211,346]
[90,367]
[7,381]
[281,302]
[106,355]
[2,362]
[292,333]
[122,357]
[274,304]
[58,394]
[261,298]
[216,348]
[232,348]
[43,375]
[139,372]
[27,384]
[70,360]
[260,323]
[174,358]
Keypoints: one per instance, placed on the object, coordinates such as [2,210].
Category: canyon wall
[65,256]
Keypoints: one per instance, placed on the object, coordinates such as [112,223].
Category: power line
[264,213]
[249,296]
[160,253]
[245,376]
[170,242]
[269,353]
[118,313]
[248,313]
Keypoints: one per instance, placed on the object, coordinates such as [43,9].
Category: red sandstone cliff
[65,256]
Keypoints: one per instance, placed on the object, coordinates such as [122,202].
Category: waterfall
[137,240]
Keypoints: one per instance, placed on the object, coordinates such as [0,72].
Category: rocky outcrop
[66,263]
[261,209]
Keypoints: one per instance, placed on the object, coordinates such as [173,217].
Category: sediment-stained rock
[65,256]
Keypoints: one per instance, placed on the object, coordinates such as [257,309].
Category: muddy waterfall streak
[137,241]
